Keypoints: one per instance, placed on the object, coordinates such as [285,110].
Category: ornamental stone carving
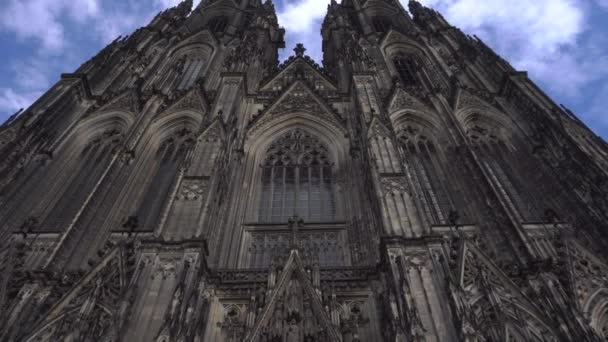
[192,190]
[411,186]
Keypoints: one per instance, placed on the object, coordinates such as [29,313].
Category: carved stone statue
[293,332]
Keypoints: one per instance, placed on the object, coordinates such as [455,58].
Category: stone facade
[182,185]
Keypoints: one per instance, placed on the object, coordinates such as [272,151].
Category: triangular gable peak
[467,99]
[588,274]
[377,128]
[97,294]
[397,37]
[474,267]
[193,100]
[298,98]
[214,132]
[402,99]
[300,68]
[487,285]
[127,101]
[294,299]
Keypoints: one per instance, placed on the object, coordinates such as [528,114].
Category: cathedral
[183,185]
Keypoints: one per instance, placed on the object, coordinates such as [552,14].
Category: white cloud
[598,112]
[42,25]
[538,36]
[12,101]
[299,17]
[45,20]
[41,19]
[548,38]
[302,22]
[30,74]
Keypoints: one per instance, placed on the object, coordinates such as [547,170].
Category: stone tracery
[413,187]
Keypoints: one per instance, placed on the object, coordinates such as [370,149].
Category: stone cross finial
[294,223]
[299,49]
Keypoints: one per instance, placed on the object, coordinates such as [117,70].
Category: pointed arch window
[423,161]
[169,157]
[218,24]
[191,70]
[381,24]
[406,69]
[495,157]
[297,180]
[89,167]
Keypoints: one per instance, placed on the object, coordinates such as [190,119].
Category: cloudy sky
[563,44]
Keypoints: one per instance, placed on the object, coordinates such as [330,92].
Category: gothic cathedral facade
[183,186]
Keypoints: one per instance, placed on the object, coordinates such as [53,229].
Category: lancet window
[168,159]
[423,160]
[297,180]
[191,69]
[89,167]
[218,24]
[406,69]
[494,155]
[381,24]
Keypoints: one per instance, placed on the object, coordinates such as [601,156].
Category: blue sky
[563,44]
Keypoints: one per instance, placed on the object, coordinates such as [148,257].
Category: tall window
[381,24]
[90,166]
[218,24]
[422,160]
[169,157]
[495,158]
[191,70]
[297,180]
[406,68]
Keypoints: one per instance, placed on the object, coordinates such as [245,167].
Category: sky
[563,44]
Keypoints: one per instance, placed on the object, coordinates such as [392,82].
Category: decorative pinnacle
[299,49]
[414,6]
[295,223]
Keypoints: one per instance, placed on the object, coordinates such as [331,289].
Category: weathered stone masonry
[184,186]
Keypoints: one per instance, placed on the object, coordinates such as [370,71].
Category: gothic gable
[401,99]
[487,287]
[475,269]
[127,101]
[588,275]
[293,300]
[191,101]
[300,68]
[466,99]
[298,98]
[377,128]
[394,37]
[90,305]
[214,132]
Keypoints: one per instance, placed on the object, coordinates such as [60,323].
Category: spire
[415,7]
[185,5]
[184,8]
[419,12]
